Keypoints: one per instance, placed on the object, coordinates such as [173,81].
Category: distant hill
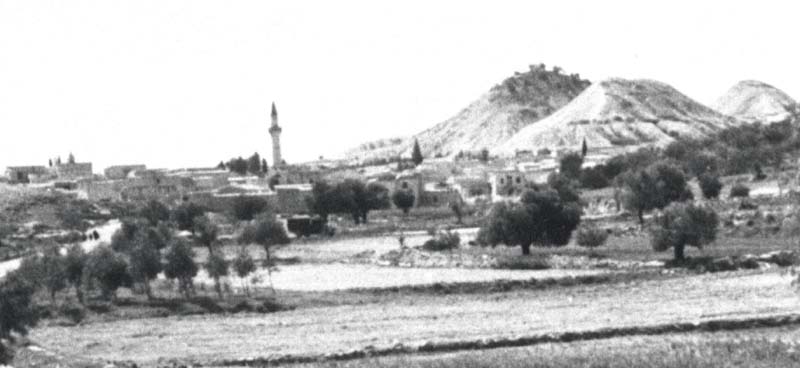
[492,119]
[620,113]
[757,101]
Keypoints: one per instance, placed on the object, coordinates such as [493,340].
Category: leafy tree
[244,265]
[154,212]
[264,166]
[416,154]
[217,267]
[570,165]
[145,260]
[376,198]
[185,213]
[205,232]
[710,185]
[54,272]
[245,208]
[321,201]
[16,312]
[109,269]
[683,224]
[71,158]
[180,265]
[565,186]
[542,217]
[273,181]
[594,178]
[403,199]
[221,166]
[237,165]
[254,164]
[74,267]
[654,188]
[484,156]
[267,232]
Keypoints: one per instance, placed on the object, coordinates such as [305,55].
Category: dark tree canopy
[403,199]
[16,312]
[570,165]
[246,208]
[416,154]
[541,217]
[183,216]
[654,188]
[710,185]
[179,264]
[109,269]
[683,224]
[237,165]
[254,164]
[154,212]
[351,197]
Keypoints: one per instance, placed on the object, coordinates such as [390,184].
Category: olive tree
[16,312]
[654,188]
[179,265]
[267,232]
[683,224]
[541,217]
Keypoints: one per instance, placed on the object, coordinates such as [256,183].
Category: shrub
[75,312]
[740,191]
[591,237]
[523,263]
[444,240]
[710,185]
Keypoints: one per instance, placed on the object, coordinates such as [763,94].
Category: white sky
[189,83]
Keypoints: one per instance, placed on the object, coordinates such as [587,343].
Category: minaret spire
[275,132]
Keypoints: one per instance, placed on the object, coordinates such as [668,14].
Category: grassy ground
[756,348]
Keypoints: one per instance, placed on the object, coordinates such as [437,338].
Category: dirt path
[435,319]
[105,231]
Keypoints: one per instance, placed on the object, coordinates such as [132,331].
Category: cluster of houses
[435,183]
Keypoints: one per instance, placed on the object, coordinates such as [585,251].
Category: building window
[502,181]
[405,185]
[519,180]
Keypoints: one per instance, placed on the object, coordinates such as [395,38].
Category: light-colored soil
[326,277]
[431,318]
[105,231]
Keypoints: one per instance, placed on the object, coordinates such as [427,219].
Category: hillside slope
[757,101]
[620,113]
[518,101]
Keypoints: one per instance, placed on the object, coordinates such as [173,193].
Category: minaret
[275,132]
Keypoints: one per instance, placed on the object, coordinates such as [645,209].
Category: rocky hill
[757,101]
[492,119]
[619,113]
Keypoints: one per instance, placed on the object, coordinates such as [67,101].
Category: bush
[523,263]
[444,240]
[740,191]
[591,237]
[710,185]
[74,312]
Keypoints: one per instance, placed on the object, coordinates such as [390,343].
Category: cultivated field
[416,320]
